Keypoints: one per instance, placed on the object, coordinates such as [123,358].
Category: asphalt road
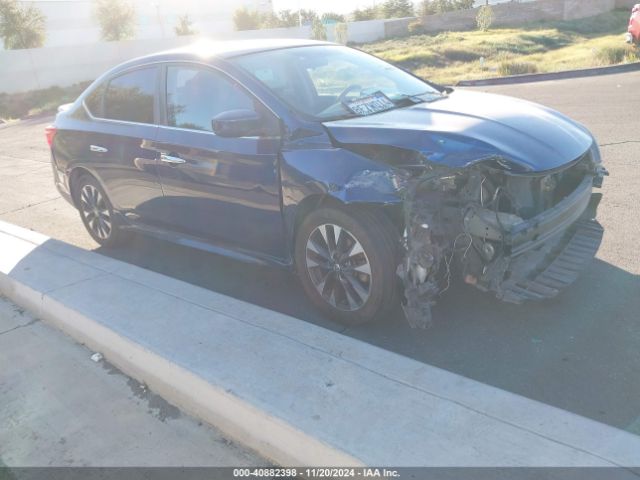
[579,352]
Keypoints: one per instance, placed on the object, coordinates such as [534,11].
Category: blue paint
[243,194]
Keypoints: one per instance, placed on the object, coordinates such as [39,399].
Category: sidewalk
[296,393]
[60,408]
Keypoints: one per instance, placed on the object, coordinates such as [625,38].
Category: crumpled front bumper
[451,228]
[520,235]
[545,254]
[560,272]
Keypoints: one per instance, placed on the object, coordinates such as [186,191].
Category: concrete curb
[296,393]
[542,77]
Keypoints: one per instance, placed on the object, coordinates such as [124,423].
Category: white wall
[37,68]
[360,32]
[367,31]
[71,22]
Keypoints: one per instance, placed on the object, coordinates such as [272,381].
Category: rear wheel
[97,213]
[346,260]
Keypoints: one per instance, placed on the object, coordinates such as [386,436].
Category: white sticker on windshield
[374,103]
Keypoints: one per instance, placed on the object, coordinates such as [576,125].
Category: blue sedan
[374,185]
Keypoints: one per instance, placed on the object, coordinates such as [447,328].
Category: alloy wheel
[339,267]
[95,211]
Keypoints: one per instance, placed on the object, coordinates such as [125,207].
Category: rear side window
[129,97]
[196,95]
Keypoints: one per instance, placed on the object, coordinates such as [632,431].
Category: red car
[633,34]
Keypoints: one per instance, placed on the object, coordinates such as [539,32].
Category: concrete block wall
[514,14]
[574,9]
[398,27]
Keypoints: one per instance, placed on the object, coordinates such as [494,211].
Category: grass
[36,102]
[540,47]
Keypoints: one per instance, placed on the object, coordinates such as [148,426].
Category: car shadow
[578,352]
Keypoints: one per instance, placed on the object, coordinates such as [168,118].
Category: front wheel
[97,213]
[346,260]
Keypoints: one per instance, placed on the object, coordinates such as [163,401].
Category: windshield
[325,82]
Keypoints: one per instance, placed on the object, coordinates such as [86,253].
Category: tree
[270,20]
[21,27]
[308,16]
[330,17]
[117,19]
[318,30]
[397,9]
[245,19]
[367,13]
[287,18]
[342,33]
[463,4]
[430,7]
[484,18]
[184,26]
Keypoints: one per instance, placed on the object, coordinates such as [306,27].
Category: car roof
[206,50]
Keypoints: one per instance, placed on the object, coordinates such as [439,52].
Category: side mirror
[236,123]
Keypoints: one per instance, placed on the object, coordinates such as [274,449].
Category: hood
[466,126]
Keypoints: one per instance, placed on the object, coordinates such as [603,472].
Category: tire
[365,245]
[97,213]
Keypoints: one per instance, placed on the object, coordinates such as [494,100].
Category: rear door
[118,149]
[225,190]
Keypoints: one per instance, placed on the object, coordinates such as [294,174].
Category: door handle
[171,159]
[98,149]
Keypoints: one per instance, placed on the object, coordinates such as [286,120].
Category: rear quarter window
[93,101]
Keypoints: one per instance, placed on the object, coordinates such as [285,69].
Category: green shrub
[484,18]
[507,68]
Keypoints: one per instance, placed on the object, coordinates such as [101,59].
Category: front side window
[129,97]
[196,95]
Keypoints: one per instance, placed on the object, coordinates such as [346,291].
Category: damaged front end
[521,236]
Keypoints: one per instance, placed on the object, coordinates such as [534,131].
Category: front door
[224,190]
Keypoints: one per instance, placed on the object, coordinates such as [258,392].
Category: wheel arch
[75,175]
[392,212]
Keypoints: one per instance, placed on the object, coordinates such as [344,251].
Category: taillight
[50,132]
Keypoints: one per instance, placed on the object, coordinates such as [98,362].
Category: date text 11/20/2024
[316,472]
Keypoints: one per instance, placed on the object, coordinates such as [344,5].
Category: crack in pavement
[12,157]
[28,324]
[619,143]
[29,206]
